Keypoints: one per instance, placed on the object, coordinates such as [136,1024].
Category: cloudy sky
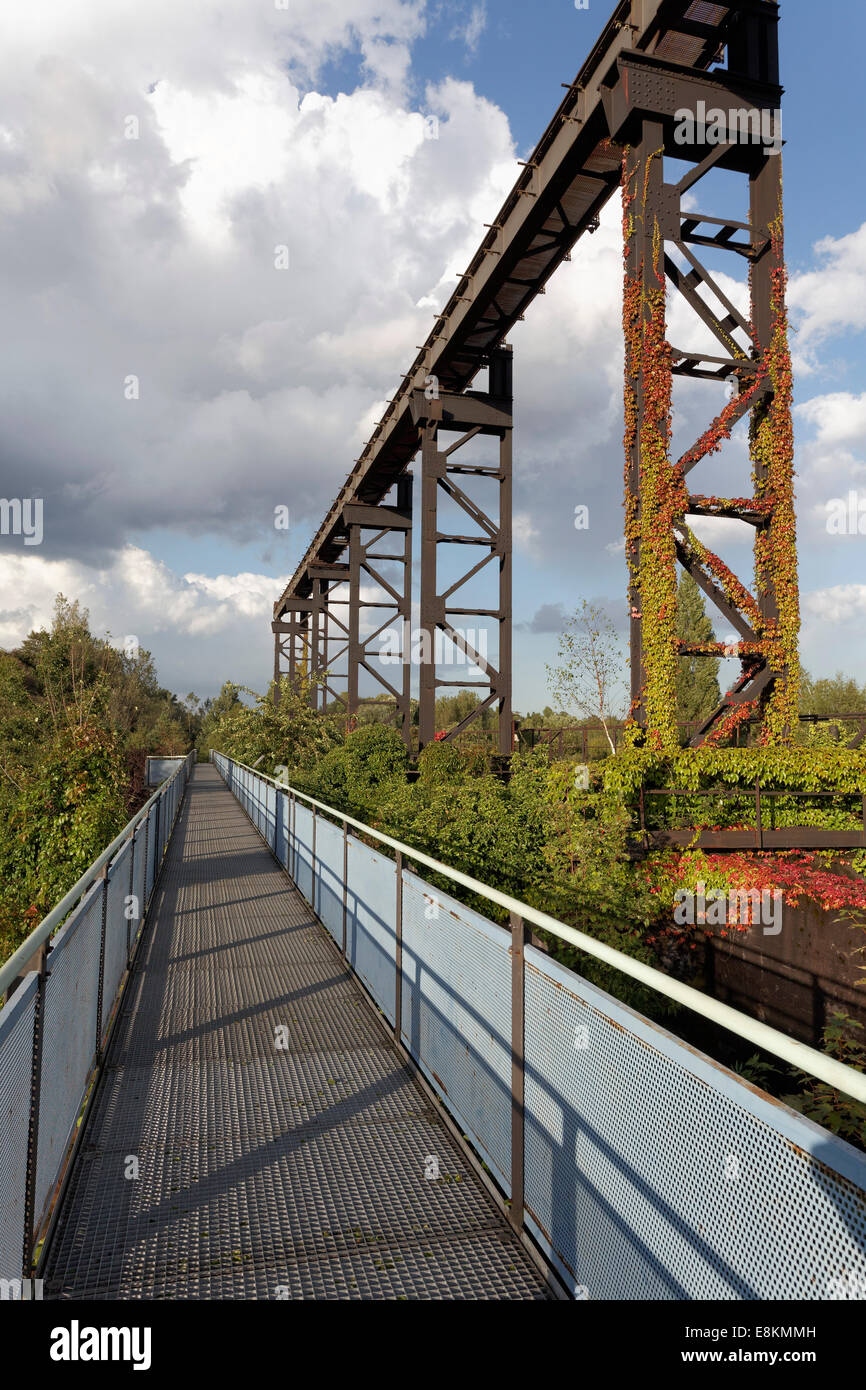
[224,227]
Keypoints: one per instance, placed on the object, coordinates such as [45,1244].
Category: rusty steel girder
[650,53]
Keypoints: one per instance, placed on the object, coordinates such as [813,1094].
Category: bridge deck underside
[264,1173]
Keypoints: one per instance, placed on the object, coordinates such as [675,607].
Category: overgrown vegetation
[77,717]
[538,835]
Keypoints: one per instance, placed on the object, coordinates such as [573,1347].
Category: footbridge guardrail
[61,989]
[639,1167]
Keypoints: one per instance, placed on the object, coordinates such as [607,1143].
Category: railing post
[346,873]
[277,800]
[313,864]
[759,829]
[33,1120]
[99,990]
[146,862]
[519,937]
[131,890]
[398,949]
[157,851]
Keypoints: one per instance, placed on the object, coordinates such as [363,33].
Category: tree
[451,710]
[839,694]
[698,692]
[77,716]
[590,666]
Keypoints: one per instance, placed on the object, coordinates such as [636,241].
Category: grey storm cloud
[550,617]
[554,617]
[160,368]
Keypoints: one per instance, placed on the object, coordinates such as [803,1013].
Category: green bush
[440,762]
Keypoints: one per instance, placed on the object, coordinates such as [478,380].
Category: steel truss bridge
[255,1053]
[653,60]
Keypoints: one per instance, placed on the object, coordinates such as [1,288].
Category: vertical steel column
[277,671]
[471,414]
[355,651]
[300,634]
[765,201]
[657,110]
[431,471]
[396,602]
[644,173]
[519,937]
[285,630]
[505,599]
[405,487]
[316,645]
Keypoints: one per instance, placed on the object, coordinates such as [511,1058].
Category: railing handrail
[13,967]
[797,1054]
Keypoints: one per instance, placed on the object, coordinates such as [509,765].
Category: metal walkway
[264,1173]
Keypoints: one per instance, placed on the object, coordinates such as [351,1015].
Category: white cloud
[842,603]
[181,615]
[719,531]
[524,532]
[832,297]
[471,30]
[157,256]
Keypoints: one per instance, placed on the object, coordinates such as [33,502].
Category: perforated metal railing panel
[302,842]
[137,887]
[264,1172]
[329,877]
[652,1173]
[69,1040]
[16,1040]
[151,850]
[371,903]
[457,1013]
[116,929]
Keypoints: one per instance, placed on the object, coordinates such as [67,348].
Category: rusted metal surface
[469,417]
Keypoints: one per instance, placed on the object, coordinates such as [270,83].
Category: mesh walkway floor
[264,1173]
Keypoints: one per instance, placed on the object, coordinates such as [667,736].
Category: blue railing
[61,988]
[640,1168]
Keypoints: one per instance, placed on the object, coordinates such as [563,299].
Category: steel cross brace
[394,600]
[471,414]
[644,105]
